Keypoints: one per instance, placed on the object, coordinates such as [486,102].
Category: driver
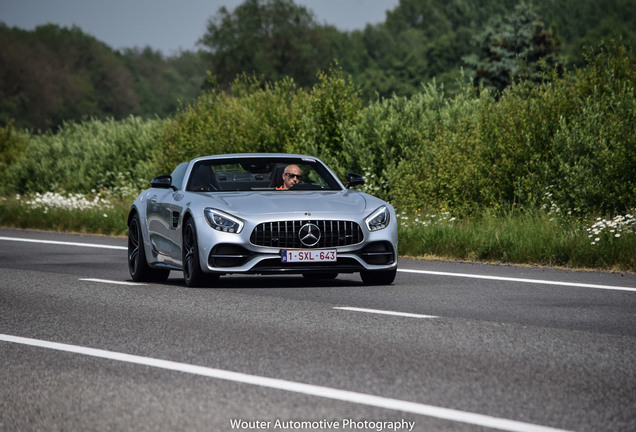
[291,176]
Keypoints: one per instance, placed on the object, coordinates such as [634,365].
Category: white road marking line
[384,312]
[107,281]
[63,243]
[465,275]
[512,279]
[291,386]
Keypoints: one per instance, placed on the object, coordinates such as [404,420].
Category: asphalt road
[475,347]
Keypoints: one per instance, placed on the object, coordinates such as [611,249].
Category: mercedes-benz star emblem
[309,234]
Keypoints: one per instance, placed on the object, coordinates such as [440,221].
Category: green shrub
[326,113]
[252,119]
[594,165]
[259,117]
[87,156]
[420,152]
[12,146]
[564,146]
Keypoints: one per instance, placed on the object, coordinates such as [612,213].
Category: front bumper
[235,258]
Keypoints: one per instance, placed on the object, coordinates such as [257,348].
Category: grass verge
[537,238]
[71,213]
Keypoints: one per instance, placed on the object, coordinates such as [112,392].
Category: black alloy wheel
[138,267]
[192,273]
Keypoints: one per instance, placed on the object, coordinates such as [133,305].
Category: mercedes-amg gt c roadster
[260,213]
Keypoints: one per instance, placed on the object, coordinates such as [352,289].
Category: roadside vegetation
[539,173]
[52,74]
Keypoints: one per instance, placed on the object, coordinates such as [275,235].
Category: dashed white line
[384,312]
[512,279]
[63,243]
[107,281]
[292,386]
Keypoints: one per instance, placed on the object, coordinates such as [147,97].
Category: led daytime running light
[223,222]
[379,219]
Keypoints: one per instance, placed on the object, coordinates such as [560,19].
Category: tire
[138,267]
[192,273]
[378,277]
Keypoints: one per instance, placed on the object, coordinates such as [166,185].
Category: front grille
[285,234]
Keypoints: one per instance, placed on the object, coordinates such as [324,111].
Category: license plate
[308,255]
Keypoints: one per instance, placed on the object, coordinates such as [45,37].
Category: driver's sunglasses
[292,176]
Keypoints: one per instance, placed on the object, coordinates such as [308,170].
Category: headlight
[222,221]
[379,219]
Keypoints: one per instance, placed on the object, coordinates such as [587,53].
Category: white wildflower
[68,201]
[617,226]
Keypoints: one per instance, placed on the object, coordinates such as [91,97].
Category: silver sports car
[259,213]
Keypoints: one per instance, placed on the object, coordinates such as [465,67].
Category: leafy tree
[51,74]
[268,38]
[420,40]
[516,46]
[585,23]
[163,84]
[425,15]
[54,74]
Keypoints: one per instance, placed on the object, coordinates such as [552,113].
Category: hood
[290,202]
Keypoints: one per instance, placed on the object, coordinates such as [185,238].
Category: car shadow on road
[270,282]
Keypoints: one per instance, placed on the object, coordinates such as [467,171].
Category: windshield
[260,174]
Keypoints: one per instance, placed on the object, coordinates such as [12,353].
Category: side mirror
[162,182]
[354,180]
